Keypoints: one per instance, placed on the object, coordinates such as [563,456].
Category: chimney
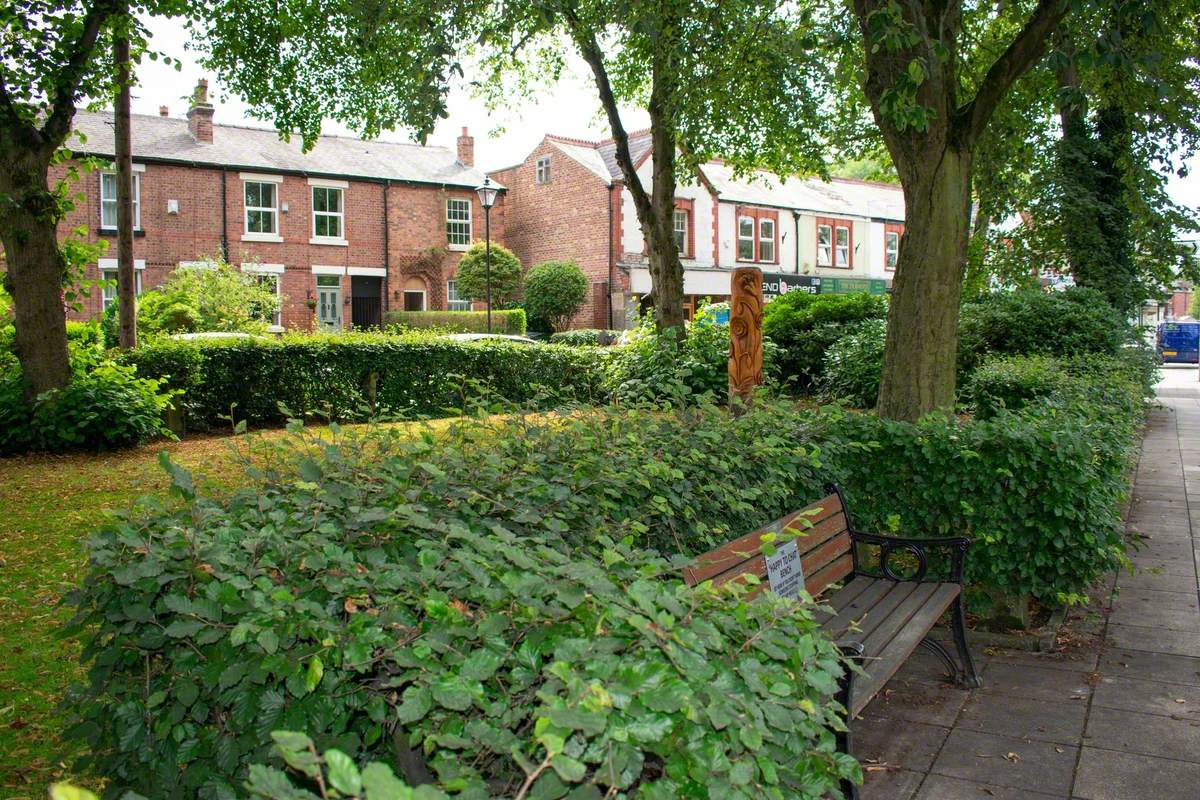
[466,149]
[163,111]
[200,115]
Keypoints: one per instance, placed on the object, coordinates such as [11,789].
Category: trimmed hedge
[510,321]
[805,326]
[582,337]
[352,376]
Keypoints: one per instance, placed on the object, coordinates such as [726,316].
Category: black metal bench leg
[970,677]
[843,739]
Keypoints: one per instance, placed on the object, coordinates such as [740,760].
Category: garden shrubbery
[509,321]
[854,365]
[804,326]
[351,376]
[580,337]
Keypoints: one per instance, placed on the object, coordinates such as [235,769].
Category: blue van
[1179,342]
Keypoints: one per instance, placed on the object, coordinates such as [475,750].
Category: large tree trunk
[29,232]
[126,286]
[922,332]
[666,271]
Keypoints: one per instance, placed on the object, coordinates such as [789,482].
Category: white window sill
[261,237]
[458,248]
[329,240]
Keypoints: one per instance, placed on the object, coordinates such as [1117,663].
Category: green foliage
[853,365]
[1033,321]
[805,326]
[555,291]
[106,406]
[352,376]
[332,773]
[657,366]
[581,337]
[470,275]
[211,296]
[510,321]
[462,605]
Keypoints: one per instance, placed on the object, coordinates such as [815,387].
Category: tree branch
[1024,51]
[58,123]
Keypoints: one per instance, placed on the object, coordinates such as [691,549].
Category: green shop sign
[853,285]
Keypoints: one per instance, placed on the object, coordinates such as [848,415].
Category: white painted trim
[371,272]
[195,265]
[260,177]
[112,167]
[329,240]
[317,269]
[458,248]
[111,263]
[329,183]
[263,269]
[261,237]
[424,297]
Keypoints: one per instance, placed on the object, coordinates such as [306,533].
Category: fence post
[745,336]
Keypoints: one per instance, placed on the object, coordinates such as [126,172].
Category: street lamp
[487,198]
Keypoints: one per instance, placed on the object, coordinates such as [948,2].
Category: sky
[570,108]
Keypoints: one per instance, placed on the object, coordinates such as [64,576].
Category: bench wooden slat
[834,572]
[851,612]
[881,666]
[882,625]
[827,522]
[850,592]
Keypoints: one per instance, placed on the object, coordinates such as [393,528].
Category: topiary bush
[509,321]
[555,291]
[415,601]
[804,326]
[854,365]
[470,276]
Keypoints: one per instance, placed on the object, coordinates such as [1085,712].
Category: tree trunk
[922,331]
[126,286]
[666,271]
[29,232]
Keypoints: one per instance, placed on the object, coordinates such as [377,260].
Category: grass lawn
[49,504]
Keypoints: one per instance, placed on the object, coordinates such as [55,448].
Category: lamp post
[487,198]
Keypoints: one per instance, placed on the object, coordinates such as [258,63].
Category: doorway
[366,301]
[329,302]
[414,294]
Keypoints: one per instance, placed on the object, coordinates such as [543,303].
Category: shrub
[854,365]
[1035,322]
[414,601]
[555,291]
[804,326]
[582,337]
[470,275]
[1098,381]
[350,376]
[511,321]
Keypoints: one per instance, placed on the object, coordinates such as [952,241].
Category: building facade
[345,232]
[568,200]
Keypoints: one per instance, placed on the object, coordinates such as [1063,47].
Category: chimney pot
[200,115]
[163,111]
[466,148]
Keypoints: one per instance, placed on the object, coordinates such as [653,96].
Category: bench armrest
[937,559]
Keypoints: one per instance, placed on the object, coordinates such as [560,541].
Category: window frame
[137,198]
[340,187]
[834,224]
[112,265]
[453,301]
[773,239]
[276,183]
[469,222]
[424,299]
[891,229]
[541,170]
[274,271]
[686,208]
[757,216]
[828,261]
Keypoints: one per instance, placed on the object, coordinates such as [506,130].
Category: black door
[366,301]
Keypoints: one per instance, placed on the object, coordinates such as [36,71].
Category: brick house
[345,232]
[567,199]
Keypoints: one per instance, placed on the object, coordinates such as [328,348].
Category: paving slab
[1109,775]
[1156,640]
[896,743]
[890,784]
[939,787]
[1159,615]
[1033,719]
[919,701]
[1005,761]
[1034,682]
[1150,697]
[1150,666]
[1144,734]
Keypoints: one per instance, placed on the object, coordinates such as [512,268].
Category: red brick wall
[416,218]
[565,219]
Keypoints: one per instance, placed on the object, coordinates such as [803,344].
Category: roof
[849,197]
[639,147]
[168,139]
[589,157]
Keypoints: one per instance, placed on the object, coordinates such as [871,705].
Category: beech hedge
[353,376]
[510,321]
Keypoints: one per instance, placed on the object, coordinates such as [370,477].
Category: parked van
[1179,342]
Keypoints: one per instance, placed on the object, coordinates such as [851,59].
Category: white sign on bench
[785,575]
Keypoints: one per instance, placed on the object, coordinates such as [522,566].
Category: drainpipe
[611,259]
[386,266]
[796,220]
[224,217]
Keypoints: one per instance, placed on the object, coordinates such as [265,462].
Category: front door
[329,302]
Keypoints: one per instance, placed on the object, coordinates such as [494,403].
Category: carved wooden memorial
[745,336]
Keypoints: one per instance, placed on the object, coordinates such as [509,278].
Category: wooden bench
[892,592]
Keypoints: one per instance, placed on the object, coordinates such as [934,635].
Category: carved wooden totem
[745,336]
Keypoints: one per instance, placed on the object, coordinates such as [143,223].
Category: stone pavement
[1113,715]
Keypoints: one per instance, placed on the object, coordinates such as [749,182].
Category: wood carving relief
[745,334]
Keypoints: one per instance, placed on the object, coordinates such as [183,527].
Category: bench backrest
[824,545]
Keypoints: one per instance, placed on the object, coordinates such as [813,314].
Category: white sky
[570,108]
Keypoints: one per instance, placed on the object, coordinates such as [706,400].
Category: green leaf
[268,641]
[343,774]
[316,670]
[380,783]
[65,791]
[416,702]
[569,769]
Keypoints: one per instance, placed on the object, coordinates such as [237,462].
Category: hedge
[351,376]
[509,321]
[578,337]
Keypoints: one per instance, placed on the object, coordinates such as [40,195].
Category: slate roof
[839,196]
[639,146]
[260,149]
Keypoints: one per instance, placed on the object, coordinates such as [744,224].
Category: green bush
[854,365]
[555,291]
[511,321]
[583,337]
[457,603]
[805,326]
[470,275]
[1037,322]
[1098,381]
[349,376]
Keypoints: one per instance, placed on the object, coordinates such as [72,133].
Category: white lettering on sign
[785,575]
